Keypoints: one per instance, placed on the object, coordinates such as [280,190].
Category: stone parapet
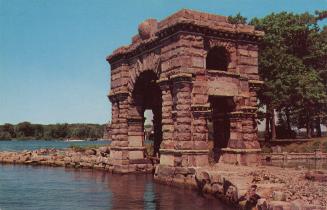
[184,158]
[241,156]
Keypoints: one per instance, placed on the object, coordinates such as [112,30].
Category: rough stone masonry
[190,69]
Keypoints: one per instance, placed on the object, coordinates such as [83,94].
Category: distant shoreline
[29,131]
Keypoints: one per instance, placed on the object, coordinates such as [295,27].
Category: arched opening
[219,130]
[218,59]
[147,98]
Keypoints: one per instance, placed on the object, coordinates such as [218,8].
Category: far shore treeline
[27,130]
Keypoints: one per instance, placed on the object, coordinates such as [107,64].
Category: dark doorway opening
[218,59]
[147,97]
[220,123]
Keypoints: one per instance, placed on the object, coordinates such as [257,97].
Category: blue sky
[52,52]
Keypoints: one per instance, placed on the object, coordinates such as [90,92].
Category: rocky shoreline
[243,187]
[75,158]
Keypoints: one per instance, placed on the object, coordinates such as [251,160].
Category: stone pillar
[118,154]
[167,123]
[122,135]
[200,115]
[135,149]
[114,122]
[183,151]
[243,146]
[135,132]
[135,124]
[182,88]
[235,140]
[200,127]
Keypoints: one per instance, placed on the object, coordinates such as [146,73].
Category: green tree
[24,129]
[38,131]
[291,53]
[237,19]
[9,128]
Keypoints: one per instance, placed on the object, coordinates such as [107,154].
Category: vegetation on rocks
[312,146]
[300,147]
[82,148]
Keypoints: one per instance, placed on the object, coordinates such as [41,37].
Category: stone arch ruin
[189,69]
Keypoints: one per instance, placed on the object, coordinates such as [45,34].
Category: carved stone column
[114,122]
[118,155]
[135,123]
[182,88]
[167,122]
[243,146]
[184,151]
[200,115]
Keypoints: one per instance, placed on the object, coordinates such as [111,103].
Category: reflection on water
[312,164]
[32,187]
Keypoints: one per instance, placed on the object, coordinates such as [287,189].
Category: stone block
[168,144]
[198,62]
[201,145]
[132,155]
[165,171]
[135,141]
[184,145]
[182,170]
[167,159]
[116,155]
[201,160]
[200,136]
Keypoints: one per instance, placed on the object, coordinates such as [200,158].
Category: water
[25,187]
[38,144]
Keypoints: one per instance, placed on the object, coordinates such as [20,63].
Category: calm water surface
[38,144]
[24,187]
[31,187]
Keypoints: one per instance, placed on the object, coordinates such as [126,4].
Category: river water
[38,144]
[24,187]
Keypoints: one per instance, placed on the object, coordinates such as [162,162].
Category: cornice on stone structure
[115,95]
[223,73]
[190,21]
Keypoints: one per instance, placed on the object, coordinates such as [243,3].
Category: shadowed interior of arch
[218,59]
[147,96]
[219,130]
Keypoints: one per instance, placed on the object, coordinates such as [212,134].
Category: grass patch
[311,146]
[82,148]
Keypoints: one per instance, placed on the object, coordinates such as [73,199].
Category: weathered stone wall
[175,50]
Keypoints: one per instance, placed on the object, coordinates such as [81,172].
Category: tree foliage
[292,63]
[26,130]
[237,19]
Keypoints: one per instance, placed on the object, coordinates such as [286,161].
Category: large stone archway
[146,95]
[165,69]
